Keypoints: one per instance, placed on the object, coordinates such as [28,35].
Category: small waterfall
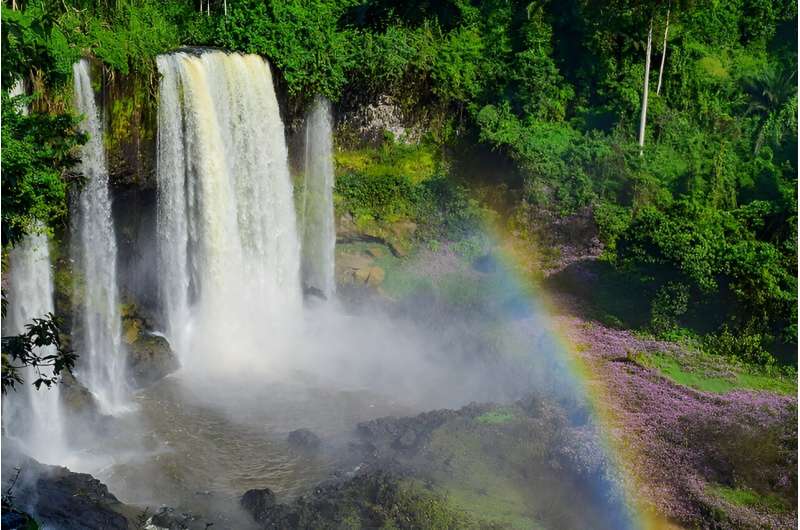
[33,417]
[319,231]
[229,255]
[94,247]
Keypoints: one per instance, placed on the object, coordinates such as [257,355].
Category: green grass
[478,484]
[748,498]
[715,374]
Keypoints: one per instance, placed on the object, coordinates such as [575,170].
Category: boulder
[310,291]
[149,359]
[304,439]
[16,520]
[258,502]
[170,519]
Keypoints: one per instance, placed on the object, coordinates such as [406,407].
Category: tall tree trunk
[643,118]
[663,56]
[225,7]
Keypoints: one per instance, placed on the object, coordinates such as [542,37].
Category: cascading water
[34,417]
[229,255]
[102,361]
[319,232]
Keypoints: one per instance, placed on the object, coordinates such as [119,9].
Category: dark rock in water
[374,499]
[16,520]
[59,498]
[310,290]
[390,434]
[486,263]
[258,502]
[150,359]
[169,519]
[304,439]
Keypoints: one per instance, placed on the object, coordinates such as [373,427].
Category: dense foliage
[40,351]
[38,154]
[706,209]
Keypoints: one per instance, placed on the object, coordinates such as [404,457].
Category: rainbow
[516,261]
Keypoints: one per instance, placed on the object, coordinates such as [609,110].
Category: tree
[39,347]
[37,166]
[663,54]
[646,89]
[770,92]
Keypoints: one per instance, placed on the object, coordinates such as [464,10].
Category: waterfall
[319,232]
[229,255]
[102,357]
[33,417]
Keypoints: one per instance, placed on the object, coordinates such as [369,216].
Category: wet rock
[59,498]
[170,519]
[258,502]
[304,439]
[76,397]
[150,358]
[16,520]
[310,291]
[368,500]
[372,121]
[391,434]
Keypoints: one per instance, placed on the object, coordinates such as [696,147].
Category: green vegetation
[496,417]
[748,498]
[712,373]
[396,182]
[702,214]
[38,154]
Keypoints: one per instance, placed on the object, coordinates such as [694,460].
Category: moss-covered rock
[76,398]
[150,357]
[370,500]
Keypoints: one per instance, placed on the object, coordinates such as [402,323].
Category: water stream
[94,249]
[319,230]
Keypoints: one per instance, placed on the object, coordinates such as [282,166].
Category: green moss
[748,498]
[481,483]
[416,162]
[715,374]
[495,417]
[423,508]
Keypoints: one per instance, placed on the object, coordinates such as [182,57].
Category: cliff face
[130,111]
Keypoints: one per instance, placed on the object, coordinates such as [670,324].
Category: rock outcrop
[304,439]
[58,498]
